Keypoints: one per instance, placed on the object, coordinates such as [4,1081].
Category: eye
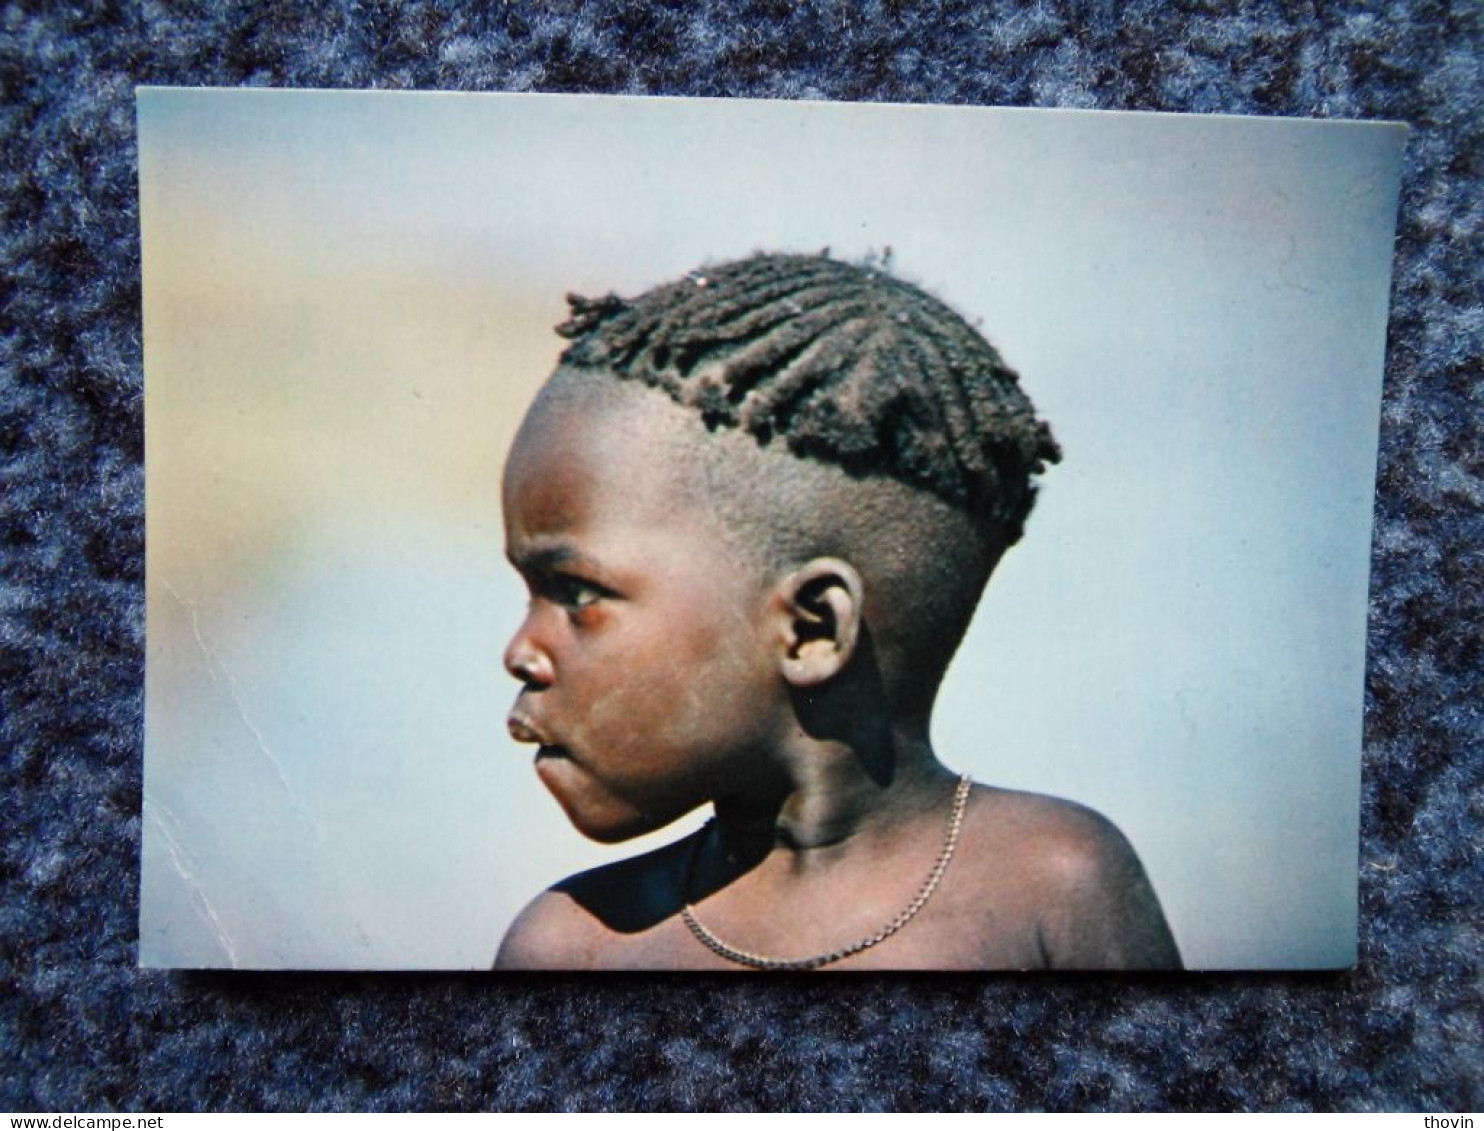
[575,592]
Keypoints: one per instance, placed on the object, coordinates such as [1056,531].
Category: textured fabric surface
[81,1028]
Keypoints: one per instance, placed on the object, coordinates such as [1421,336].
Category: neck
[830,795]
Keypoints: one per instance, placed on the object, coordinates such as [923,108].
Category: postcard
[648,533]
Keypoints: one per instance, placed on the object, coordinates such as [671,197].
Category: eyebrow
[550,556]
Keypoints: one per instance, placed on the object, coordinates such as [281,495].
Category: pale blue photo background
[348,302]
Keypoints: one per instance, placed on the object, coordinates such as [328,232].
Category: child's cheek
[610,721]
[715,701]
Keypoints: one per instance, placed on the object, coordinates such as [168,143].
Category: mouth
[525,730]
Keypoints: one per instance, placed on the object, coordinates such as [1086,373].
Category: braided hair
[841,363]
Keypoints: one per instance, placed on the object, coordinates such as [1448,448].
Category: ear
[820,607]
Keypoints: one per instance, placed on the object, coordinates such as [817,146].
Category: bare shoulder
[1059,841]
[551,933]
[580,923]
[1070,870]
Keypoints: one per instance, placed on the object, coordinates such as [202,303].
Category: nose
[526,661]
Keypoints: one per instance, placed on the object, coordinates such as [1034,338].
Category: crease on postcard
[156,814]
[221,675]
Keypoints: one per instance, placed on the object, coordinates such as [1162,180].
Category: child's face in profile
[644,653]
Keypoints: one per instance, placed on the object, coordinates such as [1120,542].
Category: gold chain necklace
[919,901]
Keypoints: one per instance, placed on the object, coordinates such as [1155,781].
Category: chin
[612,823]
[606,824]
[609,834]
[613,827]
[593,811]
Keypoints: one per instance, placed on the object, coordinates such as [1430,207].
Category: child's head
[832,362]
[797,453]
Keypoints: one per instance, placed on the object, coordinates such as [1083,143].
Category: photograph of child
[755,510]
[619,533]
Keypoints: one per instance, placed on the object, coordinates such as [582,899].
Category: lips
[522,729]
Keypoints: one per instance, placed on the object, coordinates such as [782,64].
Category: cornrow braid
[842,363]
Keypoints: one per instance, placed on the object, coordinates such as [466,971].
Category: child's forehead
[619,423]
[633,448]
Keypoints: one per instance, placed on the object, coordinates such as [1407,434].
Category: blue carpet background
[81,1028]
